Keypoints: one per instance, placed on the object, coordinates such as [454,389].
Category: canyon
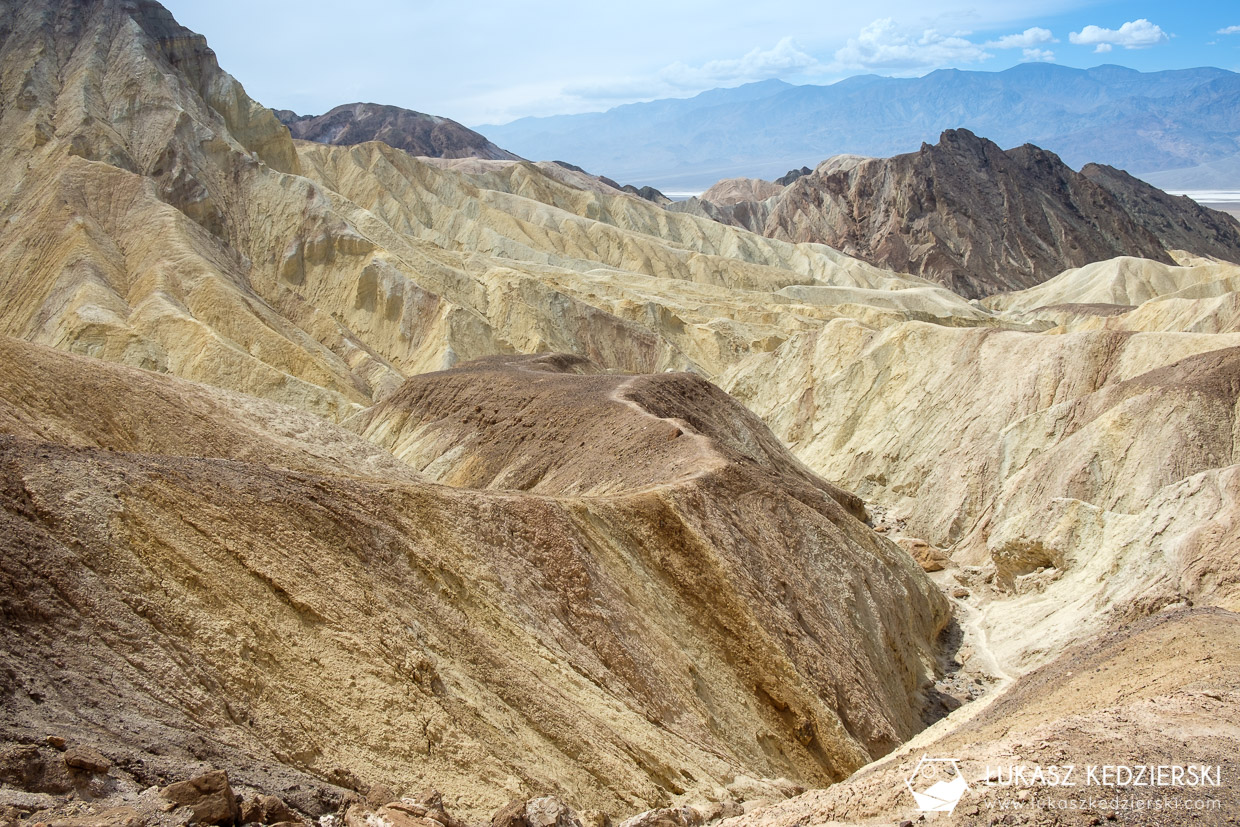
[354,472]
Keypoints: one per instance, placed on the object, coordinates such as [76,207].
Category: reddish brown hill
[964,212]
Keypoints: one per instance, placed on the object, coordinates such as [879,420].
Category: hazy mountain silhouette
[1143,122]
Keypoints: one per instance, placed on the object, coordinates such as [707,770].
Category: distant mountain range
[1178,127]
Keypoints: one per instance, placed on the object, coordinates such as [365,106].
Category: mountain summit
[415,132]
[978,218]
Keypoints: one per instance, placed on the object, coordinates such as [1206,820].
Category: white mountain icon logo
[937,784]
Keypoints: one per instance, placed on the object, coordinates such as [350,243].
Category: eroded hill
[294,485]
[415,132]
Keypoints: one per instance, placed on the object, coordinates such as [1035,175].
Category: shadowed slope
[1161,691]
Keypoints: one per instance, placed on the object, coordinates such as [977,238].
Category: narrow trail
[711,460]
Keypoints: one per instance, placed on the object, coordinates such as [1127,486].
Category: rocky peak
[415,132]
[966,213]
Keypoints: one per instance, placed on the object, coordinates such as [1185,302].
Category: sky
[492,61]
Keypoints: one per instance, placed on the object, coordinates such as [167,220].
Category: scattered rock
[399,814]
[86,759]
[267,809]
[56,742]
[380,794]
[549,811]
[430,804]
[666,817]
[511,814]
[716,810]
[930,558]
[25,767]
[595,818]
[209,796]
[408,808]
[960,592]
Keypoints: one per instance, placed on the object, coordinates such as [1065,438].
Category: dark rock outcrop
[966,213]
[414,132]
[648,193]
[979,219]
[1179,222]
[792,175]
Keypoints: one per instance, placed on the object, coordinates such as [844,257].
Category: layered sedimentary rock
[1196,296]
[732,190]
[1158,693]
[1041,459]
[1179,222]
[270,593]
[172,244]
[964,212]
[415,132]
[980,219]
[384,535]
[260,588]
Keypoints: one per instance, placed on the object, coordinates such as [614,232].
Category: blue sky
[504,60]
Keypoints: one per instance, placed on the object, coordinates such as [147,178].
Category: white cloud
[883,45]
[785,58]
[1229,30]
[1027,39]
[1038,56]
[1135,34]
[1102,48]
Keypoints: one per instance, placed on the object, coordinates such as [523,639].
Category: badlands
[347,486]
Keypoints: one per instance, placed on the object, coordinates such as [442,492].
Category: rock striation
[979,219]
[348,473]
[730,191]
[963,212]
[665,632]
[1179,222]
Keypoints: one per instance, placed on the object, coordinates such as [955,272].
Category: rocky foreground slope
[1162,689]
[225,592]
[197,576]
[293,486]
